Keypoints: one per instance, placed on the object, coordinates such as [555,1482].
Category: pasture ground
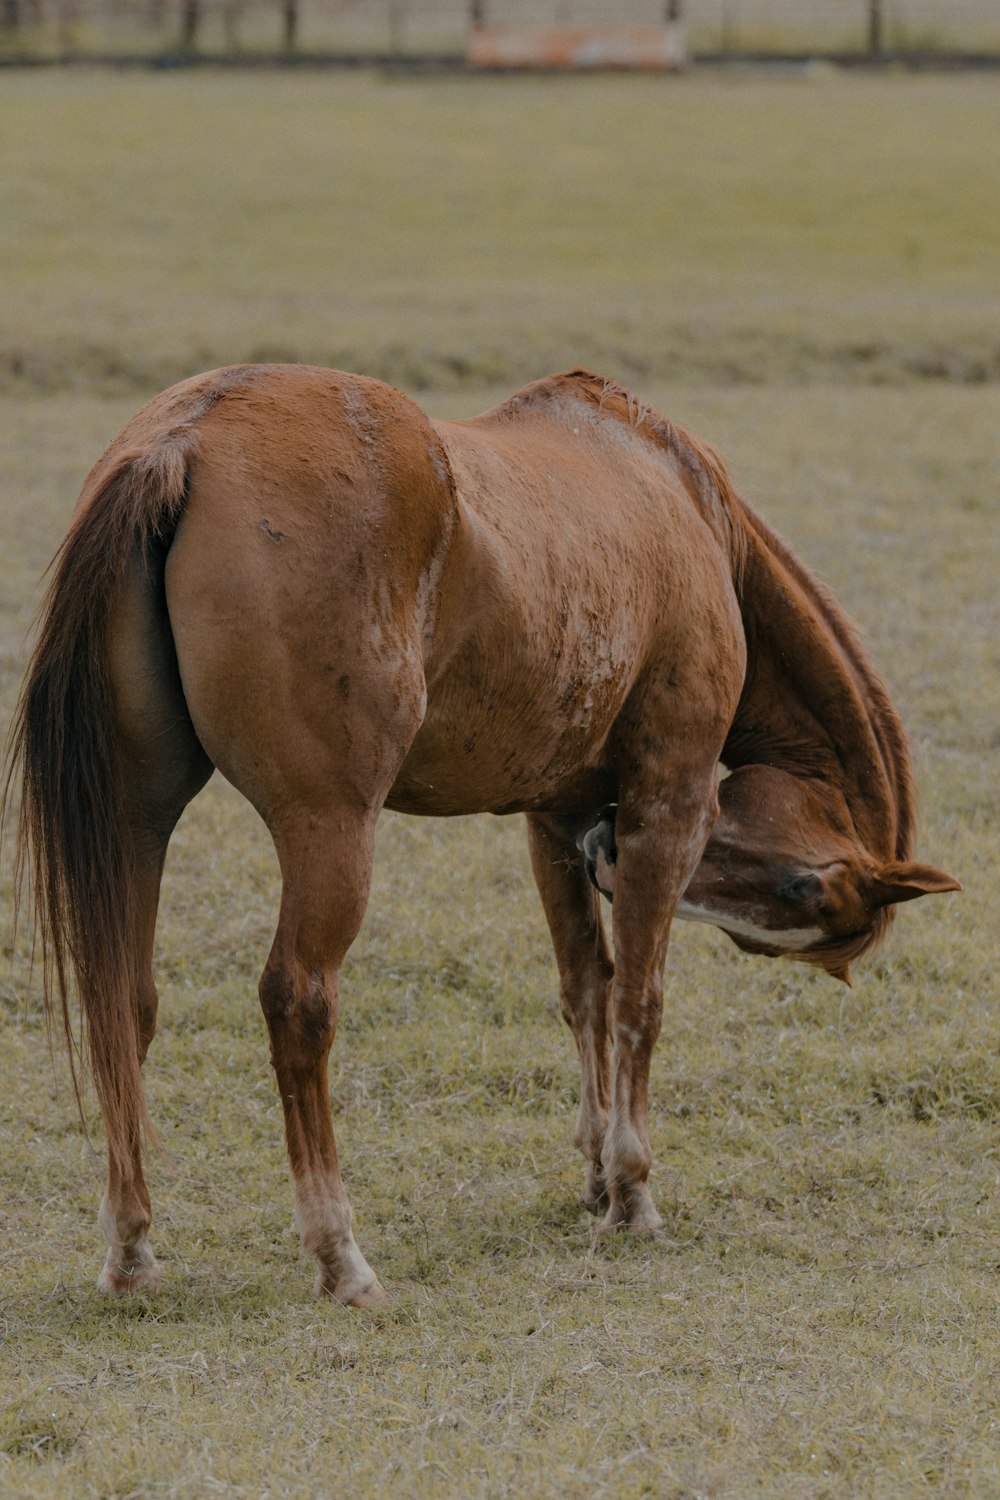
[805,273]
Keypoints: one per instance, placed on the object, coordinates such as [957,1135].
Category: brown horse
[294,576]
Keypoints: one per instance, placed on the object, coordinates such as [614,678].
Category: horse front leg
[660,840]
[572,909]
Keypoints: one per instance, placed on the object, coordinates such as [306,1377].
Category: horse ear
[906,880]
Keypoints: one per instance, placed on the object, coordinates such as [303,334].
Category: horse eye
[801,888]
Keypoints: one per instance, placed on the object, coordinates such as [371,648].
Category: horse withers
[294,576]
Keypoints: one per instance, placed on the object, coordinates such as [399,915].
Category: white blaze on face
[792,939]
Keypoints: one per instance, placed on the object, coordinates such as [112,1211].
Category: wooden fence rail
[441,27]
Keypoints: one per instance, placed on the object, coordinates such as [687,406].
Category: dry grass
[823,1321]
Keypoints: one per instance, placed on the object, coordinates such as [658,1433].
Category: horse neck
[812,704]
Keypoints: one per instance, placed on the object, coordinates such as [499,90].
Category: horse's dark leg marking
[572,908]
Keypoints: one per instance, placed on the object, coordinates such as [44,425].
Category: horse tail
[72,831]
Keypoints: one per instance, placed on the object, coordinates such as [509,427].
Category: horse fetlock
[133,1270]
[589,1133]
[326,1234]
[126,1217]
[626,1162]
[131,1265]
[626,1156]
[589,1139]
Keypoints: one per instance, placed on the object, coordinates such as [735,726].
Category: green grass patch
[458,232]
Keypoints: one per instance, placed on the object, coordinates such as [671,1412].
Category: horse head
[784,873]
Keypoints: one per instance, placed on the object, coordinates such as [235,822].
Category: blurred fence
[439,28]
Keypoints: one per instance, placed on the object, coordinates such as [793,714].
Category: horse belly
[522,726]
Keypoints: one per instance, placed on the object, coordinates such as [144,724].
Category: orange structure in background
[650,48]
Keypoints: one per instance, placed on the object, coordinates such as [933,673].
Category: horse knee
[568,1006]
[583,993]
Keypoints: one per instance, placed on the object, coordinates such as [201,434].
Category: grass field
[805,273]
[461,232]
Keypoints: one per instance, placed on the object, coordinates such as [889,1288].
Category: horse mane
[743,531]
[885,722]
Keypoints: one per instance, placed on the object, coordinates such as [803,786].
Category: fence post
[727,37]
[395,27]
[230,25]
[875,28]
[190,16]
[68,21]
[674,37]
[477,12]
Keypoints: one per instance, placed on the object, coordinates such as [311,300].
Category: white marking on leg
[325,1227]
[130,1267]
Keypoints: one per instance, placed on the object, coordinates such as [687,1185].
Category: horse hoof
[612,1223]
[596,1205]
[649,1231]
[349,1291]
[639,1219]
[369,1295]
[609,1226]
[125,1280]
[595,1191]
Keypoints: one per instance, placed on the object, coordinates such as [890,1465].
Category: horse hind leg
[126,1212]
[162,767]
[261,640]
[326,872]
